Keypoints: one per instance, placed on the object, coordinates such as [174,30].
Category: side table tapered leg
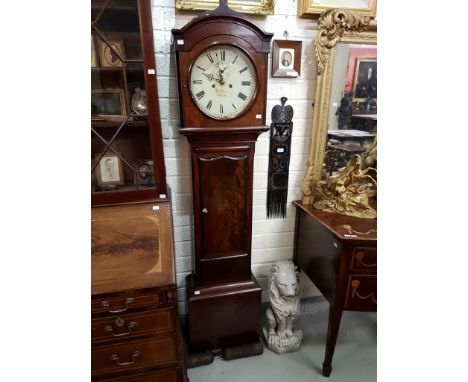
[334,319]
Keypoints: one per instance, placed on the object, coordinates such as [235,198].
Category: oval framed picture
[111,55]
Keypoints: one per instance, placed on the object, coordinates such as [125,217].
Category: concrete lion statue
[284,298]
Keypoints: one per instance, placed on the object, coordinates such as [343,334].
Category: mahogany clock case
[223,296]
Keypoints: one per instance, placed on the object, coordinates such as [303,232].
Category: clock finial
[223,5]
[223,8]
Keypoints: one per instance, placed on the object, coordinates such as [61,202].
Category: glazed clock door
[224,213]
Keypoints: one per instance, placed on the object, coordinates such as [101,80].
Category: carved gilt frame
[337,25]
[257,7]
[313,7]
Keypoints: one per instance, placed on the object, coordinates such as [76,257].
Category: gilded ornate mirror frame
[257,7]
[334,26]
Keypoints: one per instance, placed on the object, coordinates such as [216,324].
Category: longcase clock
[222,62]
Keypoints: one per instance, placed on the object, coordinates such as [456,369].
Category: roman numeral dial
[223,82]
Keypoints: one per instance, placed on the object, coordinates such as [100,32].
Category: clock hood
[222,26]
[203,26]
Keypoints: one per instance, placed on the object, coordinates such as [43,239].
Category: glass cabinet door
[122,137]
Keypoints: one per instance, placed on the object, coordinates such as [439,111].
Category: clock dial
[223,82]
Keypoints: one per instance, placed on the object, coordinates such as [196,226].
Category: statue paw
[299,335]
[289,333]
[272,338]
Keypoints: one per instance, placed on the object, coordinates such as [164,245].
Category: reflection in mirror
[344,127]
[352,117]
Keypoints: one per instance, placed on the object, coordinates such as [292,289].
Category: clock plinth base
[224,316]
[199,359]
[228,354]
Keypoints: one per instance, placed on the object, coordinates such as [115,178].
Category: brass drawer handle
[135,355]
[359,257]
[132,325]
[355,284]
[106,305]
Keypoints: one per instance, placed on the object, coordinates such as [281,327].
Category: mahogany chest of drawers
[135,329]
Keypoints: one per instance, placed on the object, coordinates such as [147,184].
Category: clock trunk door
[224,208]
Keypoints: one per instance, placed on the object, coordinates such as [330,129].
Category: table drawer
[120,304]
[156,376]
[364,259]
[361,293]
[134,355]
[132,325]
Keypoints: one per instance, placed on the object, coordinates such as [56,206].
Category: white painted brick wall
[272,239]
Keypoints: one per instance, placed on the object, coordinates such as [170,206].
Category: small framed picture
[93,53]
[365,79]
[109,171]
[112,55]
[286,58]
[107,102]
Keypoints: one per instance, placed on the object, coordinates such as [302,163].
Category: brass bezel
[254,96]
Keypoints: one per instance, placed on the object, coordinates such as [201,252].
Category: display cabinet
[127,162]
[135,326]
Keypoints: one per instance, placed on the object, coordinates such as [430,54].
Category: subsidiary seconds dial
[223,82]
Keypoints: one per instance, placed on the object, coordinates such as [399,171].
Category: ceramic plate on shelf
[139,105]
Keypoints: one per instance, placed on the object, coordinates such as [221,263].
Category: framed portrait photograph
[286,58]
[316,7]
[365,79]
[109,171]
[256,7]
[107,102]
[112,55]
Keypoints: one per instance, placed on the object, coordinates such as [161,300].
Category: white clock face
[223,82]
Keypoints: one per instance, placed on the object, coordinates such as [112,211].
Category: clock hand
[220,73]
[219,77]
[222,70]
[209,76]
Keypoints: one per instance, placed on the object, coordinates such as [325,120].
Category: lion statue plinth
[284,299]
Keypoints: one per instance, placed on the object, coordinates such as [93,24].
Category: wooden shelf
[111,124]
[126,188]
[121,68]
